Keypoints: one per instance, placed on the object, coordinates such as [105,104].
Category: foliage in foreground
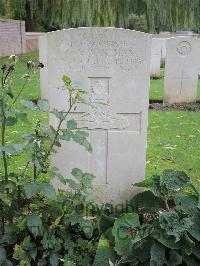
[160,226]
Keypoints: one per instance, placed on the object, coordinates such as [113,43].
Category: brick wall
[32,41]
[12,37]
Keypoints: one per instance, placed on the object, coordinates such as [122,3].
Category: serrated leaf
[173,225]
[53,259]
[58,114]
[77,173]
[72,184]
[157,255]
[31,190]
[104,253]
[194,230]
[28,104]
[2,255]
[47,190]
[71,124]
[34,224]
[174,181]
[145,202]
[122,229]
[174,258]
[43,105]
[186,203]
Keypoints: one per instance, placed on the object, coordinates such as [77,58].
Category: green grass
[32,90]
[174,142]
[173,137]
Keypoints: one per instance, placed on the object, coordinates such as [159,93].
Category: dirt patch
[192,107]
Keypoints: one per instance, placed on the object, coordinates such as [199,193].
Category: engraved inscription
[98,54]
[100,114]
[184,48]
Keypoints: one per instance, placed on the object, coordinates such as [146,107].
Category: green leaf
[54,259]
[105,222]
[71,124]
[87,227]
[11,121]
[186,203]
[12,149]
[43,105]
[145,202]
[31,190]
[165,239]
[124,231]
[34,224]
[196,250]
[72,184]
[66,80]
[77,173]
[104,253]
[58,114]
[28,104]
[174,258]
[47,190]
[147,183]
[157,255]
[2,255]
[174,181]
[81,140]
[194,230]
[10,92]
[21,116]
[173,225]
[156,187]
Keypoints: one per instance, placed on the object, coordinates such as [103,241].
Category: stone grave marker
[181,69]
[113,65]
[156,48]
[43,71]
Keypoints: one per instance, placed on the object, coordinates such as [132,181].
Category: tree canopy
[147,15]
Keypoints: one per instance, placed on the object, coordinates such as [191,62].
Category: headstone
[114,66]
[42,40]
[163,48]
[181,69]
[156,47]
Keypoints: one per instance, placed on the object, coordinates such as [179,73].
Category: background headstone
[156,48]
[114,66]
[42,40]
[181,69]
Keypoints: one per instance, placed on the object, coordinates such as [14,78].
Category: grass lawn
[173,137]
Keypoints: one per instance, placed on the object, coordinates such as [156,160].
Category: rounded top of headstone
[96,29]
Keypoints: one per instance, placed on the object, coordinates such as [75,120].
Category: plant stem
[56,136]
[18,95]
[3,131]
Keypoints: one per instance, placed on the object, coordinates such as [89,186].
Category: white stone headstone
[156,48]
[43,71]
[181,69]
[163,48]
[114,66]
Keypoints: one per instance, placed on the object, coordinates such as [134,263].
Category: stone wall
[12,37]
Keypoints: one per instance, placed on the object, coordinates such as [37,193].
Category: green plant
[31,212]
[162,228]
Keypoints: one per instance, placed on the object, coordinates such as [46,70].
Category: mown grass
[173,136]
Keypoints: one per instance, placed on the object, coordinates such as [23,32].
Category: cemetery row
[113,65]
[181,57]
